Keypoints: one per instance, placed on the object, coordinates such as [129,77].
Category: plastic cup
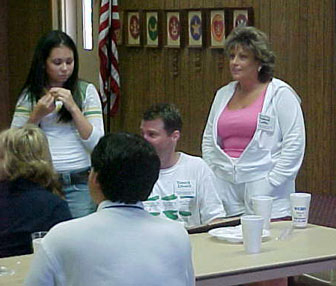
[252,226]
[36,239]
[262,206]
[300,203]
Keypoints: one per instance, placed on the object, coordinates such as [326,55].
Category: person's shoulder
[35,193]
[228,87]
[168,227]
[192,158]
[73,226]
[282,90]
[195,164]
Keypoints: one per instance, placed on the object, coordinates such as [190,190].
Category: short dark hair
[169,114]
[37,79]
[127,167]
[257,42]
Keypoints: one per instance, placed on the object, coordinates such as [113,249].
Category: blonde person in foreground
[69,112]
[254,139]
[120,244]
[28,184]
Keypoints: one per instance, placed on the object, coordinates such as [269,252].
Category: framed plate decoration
[195,29]
[173,30]
[217,28]
[133,28]
[152,29]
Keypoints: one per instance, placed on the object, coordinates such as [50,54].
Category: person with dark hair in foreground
[120,244]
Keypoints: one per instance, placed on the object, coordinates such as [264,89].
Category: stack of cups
[252,226]
[300,203]
[262,206]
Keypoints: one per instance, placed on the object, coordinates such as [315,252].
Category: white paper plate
[233,234]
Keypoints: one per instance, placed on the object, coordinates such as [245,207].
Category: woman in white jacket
[254,139]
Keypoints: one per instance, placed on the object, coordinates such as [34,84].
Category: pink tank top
[236,127]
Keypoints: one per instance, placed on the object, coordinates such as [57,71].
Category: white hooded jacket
[275,153]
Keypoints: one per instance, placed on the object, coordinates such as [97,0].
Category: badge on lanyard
[266,122]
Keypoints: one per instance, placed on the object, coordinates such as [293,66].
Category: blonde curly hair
[24,153]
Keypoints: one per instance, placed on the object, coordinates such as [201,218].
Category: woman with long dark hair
[69,112]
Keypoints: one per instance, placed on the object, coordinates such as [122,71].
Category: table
[217,262]
[308,250]
[20,264]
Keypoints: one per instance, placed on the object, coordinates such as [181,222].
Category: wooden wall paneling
[156,82]
[5,116]
[171,4]
[182,96]
[132,95]
[139,89]
[328,19]
[293,43]
[182,89]
[152,4]
[208,3]
[317,154]
[333,103]
[27,21]
[303,84]
[195,4]
[279,27]
[196,99]
[209,70]
[132,4]
[262,10]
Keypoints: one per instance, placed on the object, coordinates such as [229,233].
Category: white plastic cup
[36,239]
[300,203]
[252,226]
[262,206]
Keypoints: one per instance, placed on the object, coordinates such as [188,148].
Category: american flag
[109,79]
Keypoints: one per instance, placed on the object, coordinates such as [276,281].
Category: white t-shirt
[186,193]
[68,150]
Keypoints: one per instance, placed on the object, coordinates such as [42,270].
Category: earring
[259,68]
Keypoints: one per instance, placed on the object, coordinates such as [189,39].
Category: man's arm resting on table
[217,222]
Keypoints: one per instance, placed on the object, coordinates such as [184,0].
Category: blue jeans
[77,196]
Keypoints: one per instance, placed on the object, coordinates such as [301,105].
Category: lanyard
[123,206]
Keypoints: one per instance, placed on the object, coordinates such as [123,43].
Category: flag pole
[109,49]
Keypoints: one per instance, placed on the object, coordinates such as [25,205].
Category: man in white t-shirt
[186,188]
[120,244]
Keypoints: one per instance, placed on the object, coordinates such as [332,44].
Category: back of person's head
[127,167]
[24,153]
[257,42]
[37,79]
[168,113]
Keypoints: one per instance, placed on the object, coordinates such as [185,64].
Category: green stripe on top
[92,112]
[22,109]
